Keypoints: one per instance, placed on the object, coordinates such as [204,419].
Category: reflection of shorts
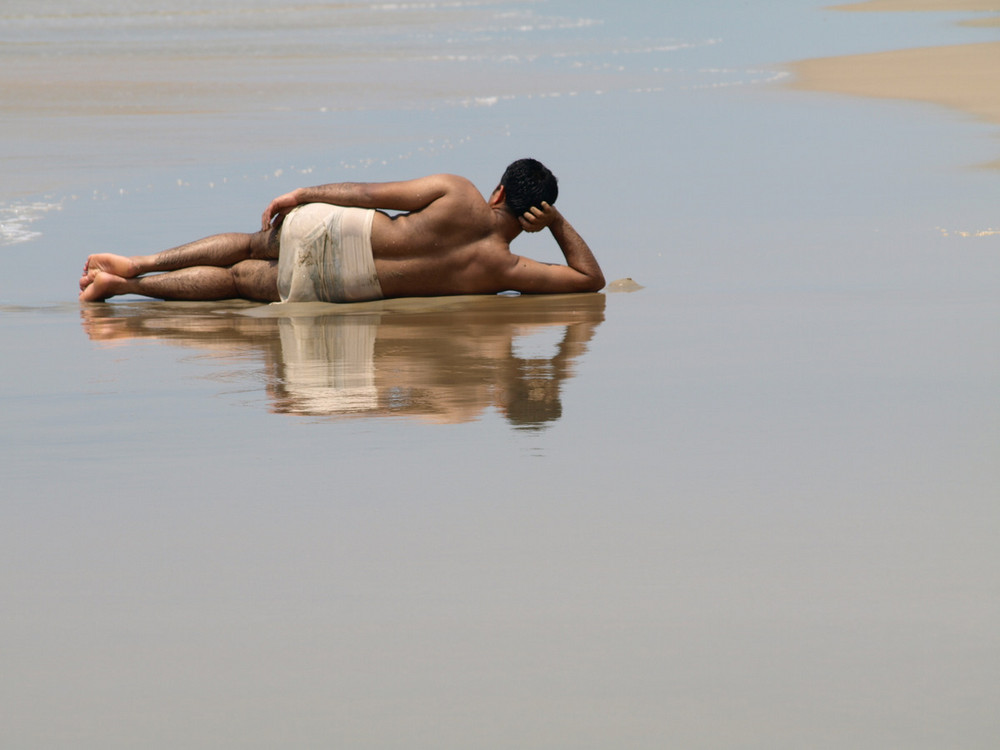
[326,255]
[329,364]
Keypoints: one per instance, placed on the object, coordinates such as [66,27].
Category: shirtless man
[336,243]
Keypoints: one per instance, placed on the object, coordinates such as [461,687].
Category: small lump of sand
[623,285]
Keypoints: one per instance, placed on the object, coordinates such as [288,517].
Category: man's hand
[277,209]
[536,219]
[581,272]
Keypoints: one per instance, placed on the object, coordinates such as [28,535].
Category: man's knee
[256,280]
[265,245]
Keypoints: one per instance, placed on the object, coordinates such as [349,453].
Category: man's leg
[217,250]
[255,280]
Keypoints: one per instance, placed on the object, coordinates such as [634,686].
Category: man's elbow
[594,283]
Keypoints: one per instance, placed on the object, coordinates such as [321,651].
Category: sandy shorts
[326,255]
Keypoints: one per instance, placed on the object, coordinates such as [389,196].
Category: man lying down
[335,243]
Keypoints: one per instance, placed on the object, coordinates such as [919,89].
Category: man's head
[526,183]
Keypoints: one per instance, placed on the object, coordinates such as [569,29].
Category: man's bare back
[431,236]
[453,243]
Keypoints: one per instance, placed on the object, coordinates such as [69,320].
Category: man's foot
[97,286]
[118,265]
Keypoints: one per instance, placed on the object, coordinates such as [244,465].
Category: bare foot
[99,286]
[118,265]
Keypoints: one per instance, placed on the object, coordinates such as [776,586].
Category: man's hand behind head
[538,219]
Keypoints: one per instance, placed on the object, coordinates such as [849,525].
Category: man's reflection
[442,361]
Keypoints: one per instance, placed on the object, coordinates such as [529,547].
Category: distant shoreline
[951,6]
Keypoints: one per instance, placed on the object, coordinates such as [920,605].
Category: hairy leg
[255,280]
[217,250]
[196,283]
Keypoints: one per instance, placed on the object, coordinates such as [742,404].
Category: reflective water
[441,361]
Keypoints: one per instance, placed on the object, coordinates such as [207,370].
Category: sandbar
[952,6]
[963,77]
[921,5]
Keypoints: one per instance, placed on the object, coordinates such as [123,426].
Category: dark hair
[527,183]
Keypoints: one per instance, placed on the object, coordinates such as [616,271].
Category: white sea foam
[728,77]
[16,220]
[966,233]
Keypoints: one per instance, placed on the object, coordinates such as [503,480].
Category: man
[336,243]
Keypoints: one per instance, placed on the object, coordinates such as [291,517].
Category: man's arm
[409,195]
[582,273]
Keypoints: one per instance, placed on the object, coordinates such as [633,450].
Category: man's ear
[499,196]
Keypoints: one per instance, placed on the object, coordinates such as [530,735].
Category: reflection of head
[527,183]
[532,395]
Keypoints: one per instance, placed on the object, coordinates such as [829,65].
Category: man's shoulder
[454,184]
[458,199]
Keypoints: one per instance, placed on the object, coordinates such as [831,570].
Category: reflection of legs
[209,263]
[250,279]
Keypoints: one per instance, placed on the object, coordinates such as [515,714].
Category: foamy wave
[481,101]
[420,6]
[968,232]
[671,45]
[740,77]
[16,220]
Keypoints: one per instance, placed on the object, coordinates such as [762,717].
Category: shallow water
[752,504]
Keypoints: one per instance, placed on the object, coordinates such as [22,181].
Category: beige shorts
[326,255]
